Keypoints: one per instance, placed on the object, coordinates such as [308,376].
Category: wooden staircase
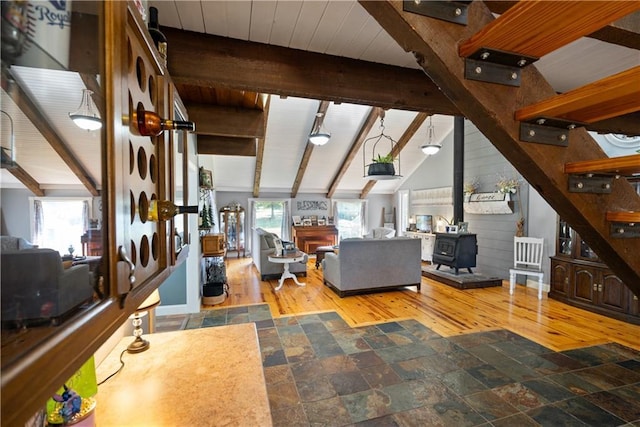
[484,65]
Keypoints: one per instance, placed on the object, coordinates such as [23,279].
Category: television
[423,223]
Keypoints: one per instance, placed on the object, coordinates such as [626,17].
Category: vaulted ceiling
[254,74]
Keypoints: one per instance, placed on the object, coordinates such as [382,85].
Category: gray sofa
[366,265]
[261,247]
[36,288]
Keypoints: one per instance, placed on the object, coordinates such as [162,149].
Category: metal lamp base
[138,346]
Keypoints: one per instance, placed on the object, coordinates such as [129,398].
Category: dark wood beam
[623,32]
[398,147]
[22,175]
[215,61]
[373,116]
[260,151]
[491,108]
[226,146]
[538,27]
[33,113]
[226,121]
[304,162]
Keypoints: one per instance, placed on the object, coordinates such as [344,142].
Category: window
[272,216]
[59,223]
[350,217]
[403,205]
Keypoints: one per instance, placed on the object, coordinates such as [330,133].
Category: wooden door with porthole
[143,248]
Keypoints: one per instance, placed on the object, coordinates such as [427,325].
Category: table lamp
[139,345]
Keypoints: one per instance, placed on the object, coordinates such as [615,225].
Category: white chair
[527,260]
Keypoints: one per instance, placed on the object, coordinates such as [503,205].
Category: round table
[287,259]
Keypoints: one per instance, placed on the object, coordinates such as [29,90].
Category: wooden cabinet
[307,239]
[116,58]
[92,243]
[428,241]
[232,226]
[579,278]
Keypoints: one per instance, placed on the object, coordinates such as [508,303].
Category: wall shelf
[489,204]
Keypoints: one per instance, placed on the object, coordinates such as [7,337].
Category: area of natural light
[63,224]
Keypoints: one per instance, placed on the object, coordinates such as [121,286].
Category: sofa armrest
[331,268]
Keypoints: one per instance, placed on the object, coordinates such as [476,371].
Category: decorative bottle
[151,124]
[164,210]
[158,38]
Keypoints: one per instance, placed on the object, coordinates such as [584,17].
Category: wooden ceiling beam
[226,146]
[33,113]
[373,116]
[398,147]
[257,176]
[610,97]
[308,149]
[491,108]
[226,121]
[224,62]
[538,27]
[22,175]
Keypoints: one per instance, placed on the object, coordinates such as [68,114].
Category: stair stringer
[491,108]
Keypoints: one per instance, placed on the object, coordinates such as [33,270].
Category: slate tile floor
[321,372]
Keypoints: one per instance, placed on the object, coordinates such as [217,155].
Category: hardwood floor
[445,310]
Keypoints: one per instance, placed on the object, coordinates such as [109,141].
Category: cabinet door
[614,295]
[634,306]
[427,247]
[585,284]
[560,274]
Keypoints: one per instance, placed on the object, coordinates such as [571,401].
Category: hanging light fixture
[382,166]
[9,161]
[86,117]
[321,136]
[430,148]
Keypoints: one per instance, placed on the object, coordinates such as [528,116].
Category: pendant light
[320,136]
[86,116]
[430,148]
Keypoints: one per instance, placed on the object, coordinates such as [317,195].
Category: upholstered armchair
[262,247]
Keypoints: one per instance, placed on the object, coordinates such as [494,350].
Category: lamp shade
[86,117]
[430,149]
[319,138]
[151,301]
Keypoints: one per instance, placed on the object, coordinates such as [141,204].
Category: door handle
[122,253]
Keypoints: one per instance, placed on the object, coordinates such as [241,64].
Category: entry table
[287,259]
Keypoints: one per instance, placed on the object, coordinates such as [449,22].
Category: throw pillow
[269,238]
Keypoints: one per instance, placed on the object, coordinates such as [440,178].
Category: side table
[287,259]
[320,251]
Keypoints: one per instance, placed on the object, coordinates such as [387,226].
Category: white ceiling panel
[288,129]
[284,22]
[307,24]
[233,173]
[343,121]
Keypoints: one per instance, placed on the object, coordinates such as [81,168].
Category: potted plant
[382,165]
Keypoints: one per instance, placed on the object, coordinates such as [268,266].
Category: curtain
[286,220]
[85,216]
[38,222]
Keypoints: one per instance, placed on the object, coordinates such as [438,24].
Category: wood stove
[455,250]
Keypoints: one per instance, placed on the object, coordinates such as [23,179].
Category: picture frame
[329,220]
[306,222]
[297,220]
[452,229]
[321,221]
[277,243]
[206,178]
[314,219]
[463,227]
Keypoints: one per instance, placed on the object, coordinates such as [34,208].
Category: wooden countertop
[197,377]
